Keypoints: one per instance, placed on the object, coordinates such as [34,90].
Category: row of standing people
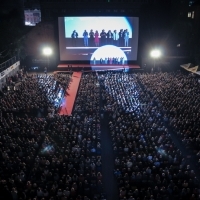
[107,61]
[95,38]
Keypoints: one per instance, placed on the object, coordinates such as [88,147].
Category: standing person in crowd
[115,38]
[103,37]
[109,37]
[74,38]
[126,37]
[45,70]
[85,38]
[91,38]
[96,38]
[121,39]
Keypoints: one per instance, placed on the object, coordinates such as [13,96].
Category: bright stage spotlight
[47,51]
[155,53]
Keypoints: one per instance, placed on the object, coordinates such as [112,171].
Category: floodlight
[47,51]
[155,53]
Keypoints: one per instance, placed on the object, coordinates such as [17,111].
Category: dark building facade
[54,8]
[194,18]
[185,22]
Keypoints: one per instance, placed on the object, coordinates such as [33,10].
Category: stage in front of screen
[68,67]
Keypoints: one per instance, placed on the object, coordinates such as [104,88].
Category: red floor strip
[70,97]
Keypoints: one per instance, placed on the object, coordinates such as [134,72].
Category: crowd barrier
[10,71]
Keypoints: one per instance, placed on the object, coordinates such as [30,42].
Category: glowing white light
[108,51]
[155,53]
[47,51]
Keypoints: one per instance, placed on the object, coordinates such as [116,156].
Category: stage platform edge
[67,67]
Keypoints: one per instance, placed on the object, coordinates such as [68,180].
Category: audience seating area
[48,156]
[179,96]
[147,163]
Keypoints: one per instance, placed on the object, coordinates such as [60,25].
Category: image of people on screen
[92,38]
[121,39]
[126,37]
[109,37]
[115,38]
[74,38]
[80,37]
[96,38]
[85,38]
[103,37]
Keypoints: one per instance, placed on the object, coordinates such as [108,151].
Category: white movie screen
[98,38]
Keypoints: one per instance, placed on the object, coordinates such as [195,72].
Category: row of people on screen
[110,61]
[92,38]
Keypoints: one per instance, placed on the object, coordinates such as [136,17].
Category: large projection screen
[89,38]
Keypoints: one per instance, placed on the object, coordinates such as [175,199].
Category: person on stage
[126,38]
[91,38]
[121,39]
[115,38]
[118,60]
[96,38]
[106,61]
[122,60]
[109,37]
[94,61]
[101,60]
[85,38]
[111,61]
[74,38]
[103,37]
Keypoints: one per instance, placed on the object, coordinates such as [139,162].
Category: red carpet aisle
[68,102]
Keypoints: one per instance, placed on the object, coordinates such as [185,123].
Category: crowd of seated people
[36,94]
[147,163]
[54,87]
[59,157]
[69,162]
[26,98]
[178,93]
[88,99]
[50,158]
[20,139]
[12,80]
